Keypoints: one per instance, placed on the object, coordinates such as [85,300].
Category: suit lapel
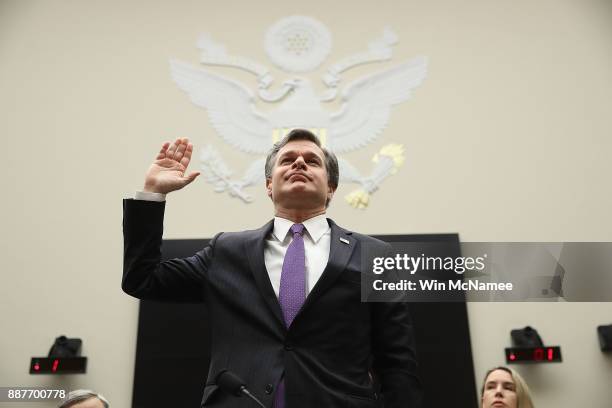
[255,253]
[341,248]
[339,254]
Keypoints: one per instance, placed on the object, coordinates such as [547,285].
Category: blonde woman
[505,388]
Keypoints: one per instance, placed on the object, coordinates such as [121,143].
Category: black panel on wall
[173,342]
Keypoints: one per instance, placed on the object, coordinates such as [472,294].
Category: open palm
[167,173]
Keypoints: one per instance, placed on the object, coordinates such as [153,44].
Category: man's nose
[299,162]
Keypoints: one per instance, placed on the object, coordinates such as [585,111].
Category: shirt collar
[316,227]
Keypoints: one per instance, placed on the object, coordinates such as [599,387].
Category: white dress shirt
[317,241]
[317,238]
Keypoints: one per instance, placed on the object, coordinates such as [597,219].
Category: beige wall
[508,139]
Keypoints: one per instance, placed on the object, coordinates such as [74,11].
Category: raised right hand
[167,173]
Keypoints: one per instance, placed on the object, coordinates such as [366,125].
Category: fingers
[187,155]
[177,149]
[180,150]
[162,152]
[172,149]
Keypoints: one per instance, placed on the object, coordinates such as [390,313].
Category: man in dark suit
[285,300]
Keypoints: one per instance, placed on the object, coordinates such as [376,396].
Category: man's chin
[299,187]
[298,198]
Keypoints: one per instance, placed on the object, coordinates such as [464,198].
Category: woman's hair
[77,396]
[523,395]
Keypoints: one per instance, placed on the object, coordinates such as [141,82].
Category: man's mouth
[298,176]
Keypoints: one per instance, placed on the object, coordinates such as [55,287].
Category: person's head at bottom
[84,399]
[505,388]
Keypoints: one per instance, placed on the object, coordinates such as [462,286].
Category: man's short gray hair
[331,162]
[76,396]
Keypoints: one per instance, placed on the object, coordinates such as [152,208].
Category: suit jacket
[338,352]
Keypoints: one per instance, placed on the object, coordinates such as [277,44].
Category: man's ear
[330,192]
[269,187]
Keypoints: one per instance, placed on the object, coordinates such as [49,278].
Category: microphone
[232,384]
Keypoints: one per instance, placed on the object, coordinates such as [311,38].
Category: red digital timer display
[58,365]
[533,355]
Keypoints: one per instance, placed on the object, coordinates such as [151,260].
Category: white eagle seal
[297,45]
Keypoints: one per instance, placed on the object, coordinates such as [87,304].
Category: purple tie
[292,292]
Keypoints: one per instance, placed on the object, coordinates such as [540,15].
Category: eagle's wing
[254,173]
[230,107]
[367,104]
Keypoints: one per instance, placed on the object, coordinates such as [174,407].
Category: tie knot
[297,229]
